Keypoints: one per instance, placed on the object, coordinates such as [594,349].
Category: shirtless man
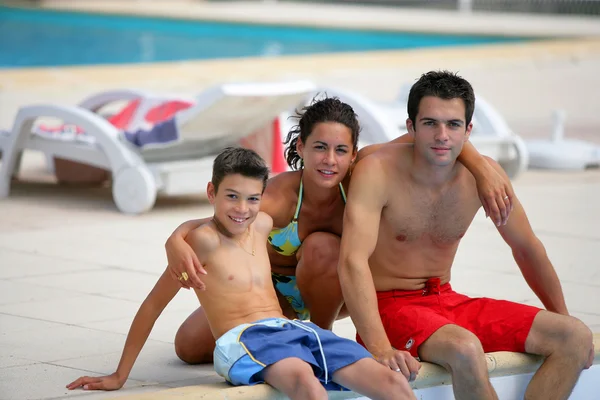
[255,342]
[407,210]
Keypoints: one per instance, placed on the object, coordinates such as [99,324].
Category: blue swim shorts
[242,354]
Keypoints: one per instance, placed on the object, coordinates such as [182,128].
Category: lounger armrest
[99,100]
[106,136]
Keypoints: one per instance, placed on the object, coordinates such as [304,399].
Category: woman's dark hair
[329,109]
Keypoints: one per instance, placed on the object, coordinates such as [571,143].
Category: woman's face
[327,153]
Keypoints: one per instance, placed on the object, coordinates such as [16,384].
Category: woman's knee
[320,253]
[194,343]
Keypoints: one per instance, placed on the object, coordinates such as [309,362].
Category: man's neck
[427,174]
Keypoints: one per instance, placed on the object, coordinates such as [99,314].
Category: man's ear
[410,127]
[468,132]
[211,192]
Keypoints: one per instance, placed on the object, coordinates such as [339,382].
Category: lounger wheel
[133,190]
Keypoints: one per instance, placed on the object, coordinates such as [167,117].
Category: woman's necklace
[228,234]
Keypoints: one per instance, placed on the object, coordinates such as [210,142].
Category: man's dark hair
[445,85]
[329,109]
[239,160]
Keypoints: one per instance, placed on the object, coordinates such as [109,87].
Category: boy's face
[237,202]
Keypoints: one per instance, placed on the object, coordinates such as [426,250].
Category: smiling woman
[49,38]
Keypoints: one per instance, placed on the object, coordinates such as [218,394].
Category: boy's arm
[494,189]
[164,290]
[531,256]
[181,258]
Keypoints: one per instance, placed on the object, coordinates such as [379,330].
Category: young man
[407,210]
[255,342]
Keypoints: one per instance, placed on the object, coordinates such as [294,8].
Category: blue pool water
[51,38]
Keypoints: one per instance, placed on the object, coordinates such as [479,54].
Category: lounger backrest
[226,113]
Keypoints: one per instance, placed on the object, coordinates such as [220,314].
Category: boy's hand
[182,258]
[110,382]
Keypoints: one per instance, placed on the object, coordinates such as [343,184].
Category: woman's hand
[184,265]
[496,194]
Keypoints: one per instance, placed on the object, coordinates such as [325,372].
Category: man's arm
[366,199]
[531,256]
[163,292]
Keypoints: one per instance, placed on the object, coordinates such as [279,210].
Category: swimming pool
[30,37]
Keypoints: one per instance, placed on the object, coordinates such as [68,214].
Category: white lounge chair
[221,116]
[382,122]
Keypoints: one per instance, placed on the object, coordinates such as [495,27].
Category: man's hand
[183,263]
[400,361]
[496,195]
[110,382]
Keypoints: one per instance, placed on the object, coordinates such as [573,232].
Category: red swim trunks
[411,317]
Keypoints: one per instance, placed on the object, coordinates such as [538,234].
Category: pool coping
[499,364]
[342,16]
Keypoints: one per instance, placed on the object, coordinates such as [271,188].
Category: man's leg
[369,378]
[460,352]
[566,343]
[295,378]
[317,278]
[194,342]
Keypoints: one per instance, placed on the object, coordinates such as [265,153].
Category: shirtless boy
[407,210]
[255,342]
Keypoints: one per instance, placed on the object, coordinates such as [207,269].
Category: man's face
[440,130]
[237,202]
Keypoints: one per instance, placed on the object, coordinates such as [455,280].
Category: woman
[307,206]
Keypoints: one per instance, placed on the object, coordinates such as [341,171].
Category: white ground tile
[63,343]
[345,328]
[12,292]
[164,329]
[579,297]
[83,245]
[10,324]
[157,362]
[40,381]
[6,361]
[73,310]
[100,282]
[19,264]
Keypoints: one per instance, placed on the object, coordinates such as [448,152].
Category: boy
[255,342]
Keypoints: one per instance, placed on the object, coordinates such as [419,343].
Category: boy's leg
[194,342]
[369,378]
[295,378]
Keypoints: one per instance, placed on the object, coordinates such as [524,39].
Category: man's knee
[320,252]
[571,337]
[462,352]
